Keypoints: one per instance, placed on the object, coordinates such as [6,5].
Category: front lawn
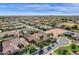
[67,50]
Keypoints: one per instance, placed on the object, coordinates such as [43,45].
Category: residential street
[61,41]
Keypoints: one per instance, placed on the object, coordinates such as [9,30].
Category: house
[69,33]
[36,37]
[12,45]
[74,35]
[77,21]
[56,32]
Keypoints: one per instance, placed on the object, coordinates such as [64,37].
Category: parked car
[52,44]
[40,52]
[49,48]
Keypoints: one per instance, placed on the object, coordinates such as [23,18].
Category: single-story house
[12,45]
[36,37]
[74,35]
[56,32]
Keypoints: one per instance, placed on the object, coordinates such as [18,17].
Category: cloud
[41,8]
[35,7]
[64,8]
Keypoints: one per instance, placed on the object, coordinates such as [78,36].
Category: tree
[32,49]
[59,35]
[62,51]
[41,44]
[6,35]
[73,46]
[74,27]
[49,41]
[68,28]
[42,36]
[22,32]
[50,34]
[17,52]
[25,50]
[20,46]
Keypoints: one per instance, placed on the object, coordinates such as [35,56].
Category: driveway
[61,42]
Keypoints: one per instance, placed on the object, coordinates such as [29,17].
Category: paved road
[61,41]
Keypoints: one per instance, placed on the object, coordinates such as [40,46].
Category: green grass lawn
[66,50]
[77,48]
[74,30]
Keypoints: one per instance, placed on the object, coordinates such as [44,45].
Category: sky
[39,8]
